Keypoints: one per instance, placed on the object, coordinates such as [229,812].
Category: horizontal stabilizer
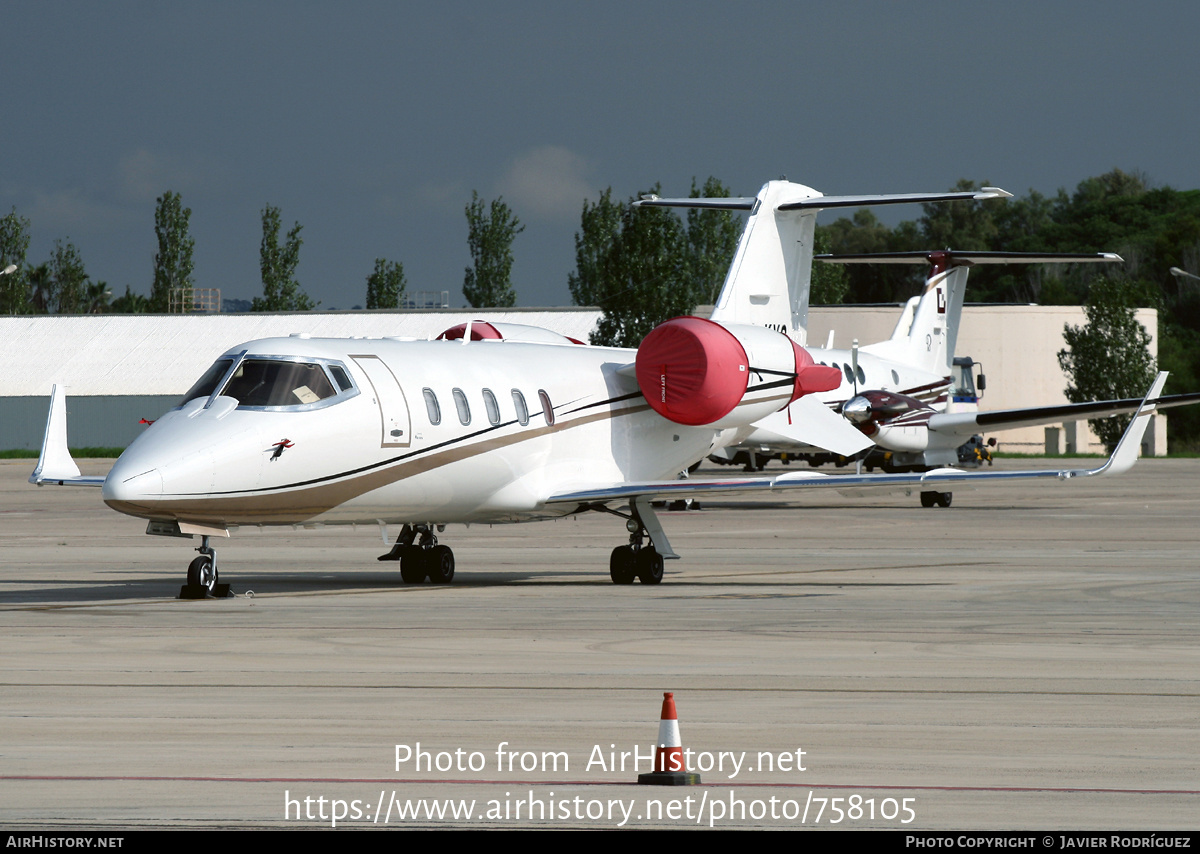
[952,258]
[718,204]
[827,202]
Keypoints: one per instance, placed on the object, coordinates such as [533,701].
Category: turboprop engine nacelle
[699,372]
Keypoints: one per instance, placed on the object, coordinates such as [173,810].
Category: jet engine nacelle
[699,372]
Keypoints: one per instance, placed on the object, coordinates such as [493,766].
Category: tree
[14,244]
[1108,357]
[829,282]
[490,235]
[631,262]
[281,291]
[385,287]
[68,280]
[712,238]
[173,262]
[130,303]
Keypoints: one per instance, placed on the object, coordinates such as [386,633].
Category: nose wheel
[202,577]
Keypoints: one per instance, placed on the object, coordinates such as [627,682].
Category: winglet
[55,462]
[1126,453]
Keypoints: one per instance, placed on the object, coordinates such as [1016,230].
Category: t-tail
[771,273]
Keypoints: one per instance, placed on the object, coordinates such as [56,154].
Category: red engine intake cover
[692,371]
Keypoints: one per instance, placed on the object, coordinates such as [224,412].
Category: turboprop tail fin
[927,333]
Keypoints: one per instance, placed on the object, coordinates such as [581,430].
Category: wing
[1122,459]
[967,423]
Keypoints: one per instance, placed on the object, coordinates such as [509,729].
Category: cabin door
[395,430]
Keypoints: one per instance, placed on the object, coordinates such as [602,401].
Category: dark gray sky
[370,123]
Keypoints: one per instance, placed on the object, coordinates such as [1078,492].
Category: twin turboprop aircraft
[897,390]
[502,423]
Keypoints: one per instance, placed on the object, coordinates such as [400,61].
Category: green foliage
[173,262]
[642,266]
[68,286]
[490,235]
[385,286]
[281,291]
[14,244]
[830,282]
[712,237]
[1108,357]
[130,303]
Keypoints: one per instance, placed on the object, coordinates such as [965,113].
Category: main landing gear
[202,575]
[639,559]
[936,499]
[422,558]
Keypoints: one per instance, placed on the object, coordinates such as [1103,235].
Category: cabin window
[522,409]
[205,386]
[492,407]
[464,408]
[431,406]
[547,409]
[278,382]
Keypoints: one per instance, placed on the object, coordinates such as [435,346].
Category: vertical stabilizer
[769,280]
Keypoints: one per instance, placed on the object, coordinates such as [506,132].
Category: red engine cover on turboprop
[692,371]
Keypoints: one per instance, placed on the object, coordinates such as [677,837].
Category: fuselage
[299,430]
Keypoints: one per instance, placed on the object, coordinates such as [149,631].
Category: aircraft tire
[622,566]
[440,563]
[202,573]
[650,566]
[944,498]
[413,567]
[928,499]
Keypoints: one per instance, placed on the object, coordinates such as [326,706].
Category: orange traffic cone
[669,768]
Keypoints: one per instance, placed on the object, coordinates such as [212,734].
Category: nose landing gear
[202,576]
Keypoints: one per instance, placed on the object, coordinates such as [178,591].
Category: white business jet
[524,426]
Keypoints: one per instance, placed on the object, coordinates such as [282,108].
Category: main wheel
[202,572]
[622,566]
[928,499]
[413,567]
[943,498]
[650,566]
[440,562]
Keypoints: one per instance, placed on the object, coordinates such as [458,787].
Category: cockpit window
[340,377]
[207,383]
[274,382]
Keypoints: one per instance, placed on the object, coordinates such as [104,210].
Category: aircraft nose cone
[128,485]
[857,409]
